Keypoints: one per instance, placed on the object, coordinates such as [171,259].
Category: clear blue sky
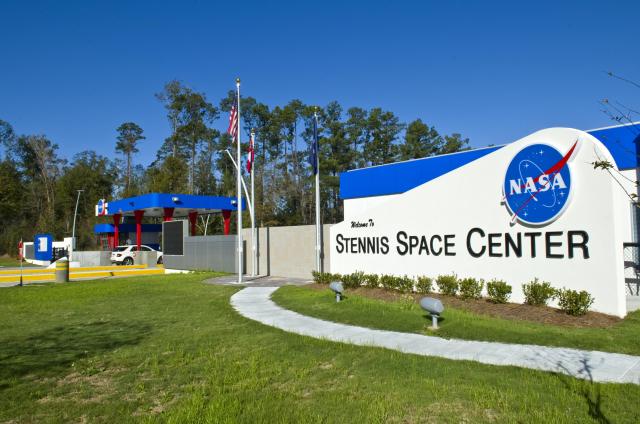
[493,71]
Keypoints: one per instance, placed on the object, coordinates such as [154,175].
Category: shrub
[391,282]
[498,291]
[470,288]
[387,281]
[372,280]
[321,277]
[538,293]
[573,302]
[346,280]
[404,284]
[352,281]
[424,285]
[447,284]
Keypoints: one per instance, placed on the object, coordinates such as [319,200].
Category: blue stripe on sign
[622,141]
[402,176]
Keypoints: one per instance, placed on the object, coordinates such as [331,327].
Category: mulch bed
[513,311]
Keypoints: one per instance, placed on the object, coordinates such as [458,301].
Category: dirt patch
[512,311]
[98,387]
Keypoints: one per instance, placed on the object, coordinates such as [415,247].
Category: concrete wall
[92,258]
[146,258]
[213,253]
[287,251]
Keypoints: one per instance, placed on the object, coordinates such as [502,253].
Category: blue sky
[493,71]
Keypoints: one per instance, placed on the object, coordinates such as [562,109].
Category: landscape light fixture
[337,288]
[434,307]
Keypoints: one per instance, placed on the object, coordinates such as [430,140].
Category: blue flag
[313,156]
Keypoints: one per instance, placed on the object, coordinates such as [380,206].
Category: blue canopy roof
[153,204]
[622,141]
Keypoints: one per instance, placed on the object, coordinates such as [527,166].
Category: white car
[125,255]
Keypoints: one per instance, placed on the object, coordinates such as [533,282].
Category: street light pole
[73,233]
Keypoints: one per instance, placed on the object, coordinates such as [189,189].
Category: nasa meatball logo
[537,184]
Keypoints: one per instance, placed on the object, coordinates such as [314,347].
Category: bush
[372,280]
[401,284]
[353,281]
[573,302]
[447,284]
[424,285]
[538,293]
[325,277]
[498,291]
[387,281]
[470,288]
[321,277]
[404,284]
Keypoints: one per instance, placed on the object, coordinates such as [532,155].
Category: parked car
[125,255]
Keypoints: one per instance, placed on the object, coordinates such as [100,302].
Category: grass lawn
[407,316]
[11,262]
[171,349]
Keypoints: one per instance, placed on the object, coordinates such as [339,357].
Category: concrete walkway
[255,303]
[258,281]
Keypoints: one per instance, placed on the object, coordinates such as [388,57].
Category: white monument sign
[534,208]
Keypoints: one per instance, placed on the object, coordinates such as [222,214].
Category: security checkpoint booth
[180,209]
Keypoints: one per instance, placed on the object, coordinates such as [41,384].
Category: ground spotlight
[434,307]
[337,288]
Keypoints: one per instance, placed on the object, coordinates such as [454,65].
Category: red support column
[226,216]
[168,214]
[138,214]
[116,229]
[193,218]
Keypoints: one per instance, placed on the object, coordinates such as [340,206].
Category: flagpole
[318,235]
[254,251]
[21,259]
[239,190]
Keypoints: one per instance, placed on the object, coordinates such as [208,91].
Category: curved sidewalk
[255,303]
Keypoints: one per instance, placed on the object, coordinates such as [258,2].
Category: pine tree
[129,134]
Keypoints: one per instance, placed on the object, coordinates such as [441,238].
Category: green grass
[407,316]
[171,349]
[11,262]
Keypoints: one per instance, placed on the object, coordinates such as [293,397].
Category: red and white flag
[250,154]
[233,122]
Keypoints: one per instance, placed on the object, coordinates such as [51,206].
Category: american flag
[313,155]
[233,122]
[250,154]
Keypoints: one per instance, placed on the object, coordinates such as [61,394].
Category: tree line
[38,186]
